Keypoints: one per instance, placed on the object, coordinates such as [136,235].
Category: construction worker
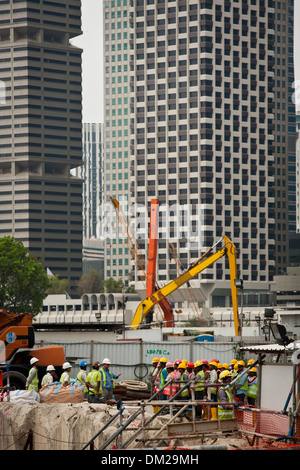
[183,379]
[162,377]
[107,380]
[153,373]
[32,382]
[241,385]
[172,388]
[199,391]
[65,376]
[82,378]
[224,396]
[93,382]
[232,364]
[213,379]
[251,393]
[48,377]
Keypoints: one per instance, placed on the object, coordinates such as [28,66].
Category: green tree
[90,283]
[57,285]
[23,281]
[113,286]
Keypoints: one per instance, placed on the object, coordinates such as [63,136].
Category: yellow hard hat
[225,373]
[213,363]
[155,360]
[225,365]
[253,369]
[251,361]
[234,361]
[182,365]
[184,361]
[198,363]
[163,359]
[241,363]
[235,367]
[219,365]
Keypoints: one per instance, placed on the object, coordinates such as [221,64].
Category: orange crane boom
[151,286]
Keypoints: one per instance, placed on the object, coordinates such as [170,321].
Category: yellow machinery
[201,264]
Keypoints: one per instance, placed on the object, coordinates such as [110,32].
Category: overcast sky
[91,43]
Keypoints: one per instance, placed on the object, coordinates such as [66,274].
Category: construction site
[140,416]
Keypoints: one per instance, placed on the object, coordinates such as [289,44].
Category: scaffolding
[261,428]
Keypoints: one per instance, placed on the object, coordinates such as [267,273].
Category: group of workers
[220,384]
[98,383]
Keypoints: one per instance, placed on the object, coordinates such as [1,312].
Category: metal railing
[175,408]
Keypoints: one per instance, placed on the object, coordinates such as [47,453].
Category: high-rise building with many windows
[209,137]
[41,132]
[91,173]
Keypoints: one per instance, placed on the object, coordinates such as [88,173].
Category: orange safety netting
[263,425]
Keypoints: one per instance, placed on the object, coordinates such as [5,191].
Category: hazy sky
[91,43]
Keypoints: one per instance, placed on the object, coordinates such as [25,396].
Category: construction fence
[134,357]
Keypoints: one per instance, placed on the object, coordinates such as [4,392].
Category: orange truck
[17,348]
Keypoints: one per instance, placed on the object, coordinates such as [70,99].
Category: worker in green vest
[93,382]
[199,390]
[224,396]
[65,376]
[107,380]
[251,393]
[82,378]
[32,382]
[183,379]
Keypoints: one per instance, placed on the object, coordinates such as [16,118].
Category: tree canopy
[23,281]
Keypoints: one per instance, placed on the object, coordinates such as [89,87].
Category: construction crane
[132,246]
[197,267]
[151,269]
[150,277]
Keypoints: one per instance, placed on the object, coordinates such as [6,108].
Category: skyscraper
[204,80]
[91,172]
[40,132]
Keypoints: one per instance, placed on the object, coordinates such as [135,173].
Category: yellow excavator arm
[229,249]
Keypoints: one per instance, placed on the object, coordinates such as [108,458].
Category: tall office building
[202,119]
[41,132]
[91,173]
[116,135]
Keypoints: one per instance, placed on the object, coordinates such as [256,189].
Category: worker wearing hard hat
[65,376]
[252,387]
[183,380]
[49,376]
[153,373]
[225,396]
[32,382]
[93,382]
[213,379]
[241,385]
[82,378]
[107,380]
[162,377]
[172,388]
[199,390]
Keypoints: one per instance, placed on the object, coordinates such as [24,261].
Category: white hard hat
[66,365]
[33,360]
[49,368]
[106,361]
